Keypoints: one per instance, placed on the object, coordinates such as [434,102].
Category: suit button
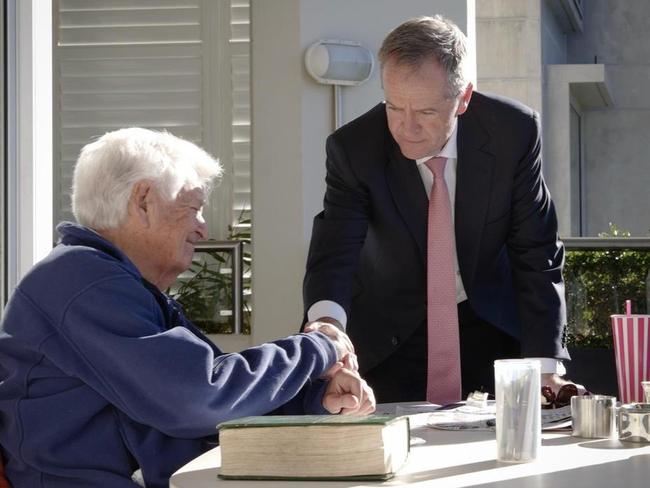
[394,340]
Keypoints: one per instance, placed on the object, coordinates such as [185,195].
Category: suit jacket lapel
[473,181]
[405,184]
[473,186]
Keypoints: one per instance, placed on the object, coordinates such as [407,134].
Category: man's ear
[141,201]
[464,99]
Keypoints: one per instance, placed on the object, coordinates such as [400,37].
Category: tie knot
[437,166]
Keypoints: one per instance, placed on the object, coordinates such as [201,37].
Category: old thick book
[313,447]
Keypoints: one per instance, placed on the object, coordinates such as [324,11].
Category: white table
[468,458]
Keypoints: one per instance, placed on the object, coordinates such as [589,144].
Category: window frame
[3,155]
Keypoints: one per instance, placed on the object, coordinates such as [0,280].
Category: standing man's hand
[557,392]
[343,344]
[555,381]
[348,393]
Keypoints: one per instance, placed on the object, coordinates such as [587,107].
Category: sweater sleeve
[112,336]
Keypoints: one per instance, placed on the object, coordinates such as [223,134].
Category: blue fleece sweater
[101,374]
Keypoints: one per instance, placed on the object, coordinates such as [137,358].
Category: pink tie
[443,366]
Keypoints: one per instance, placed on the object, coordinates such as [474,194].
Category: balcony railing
[211,290]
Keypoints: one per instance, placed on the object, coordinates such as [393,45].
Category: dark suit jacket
[368,246]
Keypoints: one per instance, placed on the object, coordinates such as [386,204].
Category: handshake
[346,391]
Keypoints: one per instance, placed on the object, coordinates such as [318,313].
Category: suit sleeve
[537,258]
[338,232]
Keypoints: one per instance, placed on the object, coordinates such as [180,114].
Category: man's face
[176,226]
[421,114]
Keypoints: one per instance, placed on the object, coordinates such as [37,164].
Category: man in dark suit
[367,263]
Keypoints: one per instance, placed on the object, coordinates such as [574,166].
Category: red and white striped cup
[632,346]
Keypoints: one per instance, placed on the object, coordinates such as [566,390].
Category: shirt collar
[449,150]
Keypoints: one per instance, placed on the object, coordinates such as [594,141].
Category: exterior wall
[616,139]
[292,116]
[571,90]
[556,144]
[508,47]
[555,137]
[554,43]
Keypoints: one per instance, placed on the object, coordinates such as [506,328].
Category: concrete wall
[553,45]
[292,116]
[508,46]
[570,91]
[616,139]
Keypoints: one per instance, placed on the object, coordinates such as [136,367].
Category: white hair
[108,168]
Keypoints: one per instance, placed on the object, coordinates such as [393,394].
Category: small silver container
[634,422]
[594,416]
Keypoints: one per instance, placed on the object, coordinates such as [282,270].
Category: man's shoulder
[372,125]
[88,260]
[69,270]
[69,275]
[483,102]
[504,120]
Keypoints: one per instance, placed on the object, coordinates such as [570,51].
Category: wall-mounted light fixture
[336,62]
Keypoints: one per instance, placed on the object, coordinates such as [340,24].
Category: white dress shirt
[328,308]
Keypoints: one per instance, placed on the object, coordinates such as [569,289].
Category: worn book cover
[318,447]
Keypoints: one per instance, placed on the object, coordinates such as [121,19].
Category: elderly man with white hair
[100,372]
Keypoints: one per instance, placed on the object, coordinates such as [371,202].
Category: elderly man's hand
[343,344]
[348,393]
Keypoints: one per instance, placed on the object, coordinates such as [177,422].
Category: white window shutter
[161,64]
